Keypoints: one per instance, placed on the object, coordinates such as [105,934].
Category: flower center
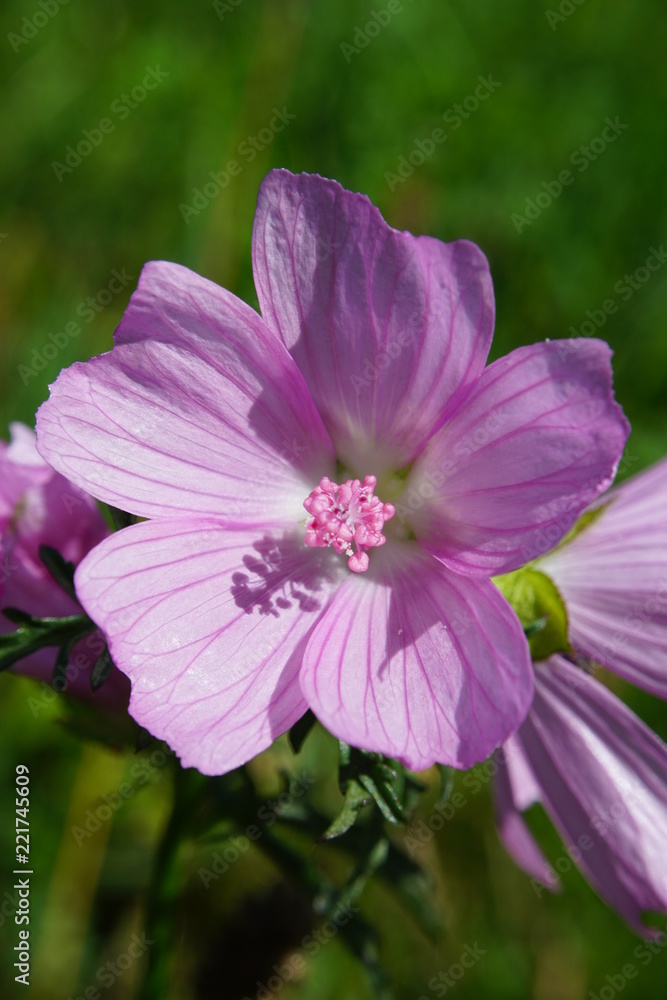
[347,515]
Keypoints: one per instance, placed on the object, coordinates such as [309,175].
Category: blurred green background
[363,88]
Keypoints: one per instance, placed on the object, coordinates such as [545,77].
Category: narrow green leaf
[392,810]
[355,799]
[60,569]
[59,678]
[101,670]
[18,617]
[446,784]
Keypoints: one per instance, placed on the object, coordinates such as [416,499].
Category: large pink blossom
[362,392]
[38,507]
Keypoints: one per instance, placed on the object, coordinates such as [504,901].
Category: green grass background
[354,118]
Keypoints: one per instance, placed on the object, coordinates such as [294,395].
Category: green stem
[165,886]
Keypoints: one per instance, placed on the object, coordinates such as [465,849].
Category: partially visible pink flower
[39,507]
[361,391]
[612,577]
[601,775]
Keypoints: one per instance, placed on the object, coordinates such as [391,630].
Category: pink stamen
[345,515]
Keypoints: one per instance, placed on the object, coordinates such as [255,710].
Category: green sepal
[540,609]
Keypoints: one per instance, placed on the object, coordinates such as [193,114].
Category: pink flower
[612,577]
[601,775]
[39,507]
[361,394]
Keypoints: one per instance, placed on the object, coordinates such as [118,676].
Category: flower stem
[164,888]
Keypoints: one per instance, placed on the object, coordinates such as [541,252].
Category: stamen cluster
[345,515]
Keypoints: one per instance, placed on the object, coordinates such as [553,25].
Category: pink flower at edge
[39,507]
[612,577]
[218,424]
[599,771]
[601,775]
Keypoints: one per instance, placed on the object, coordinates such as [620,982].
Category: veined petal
[613,579]
[538,438]
[389,329]
[514,790]
[417,663]
[209,625]
[197,409]
[603,777]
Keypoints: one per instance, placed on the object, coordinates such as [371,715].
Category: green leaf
[385,797]
[18,617]
[446,784]
[60,569]
[59,678]
[38,633]
[356,798]
[364,777]
[101,670]
[534,597]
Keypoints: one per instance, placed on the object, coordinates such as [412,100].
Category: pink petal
[538,438]
[603,779]
[198,409]
[209,625]
[387,328]
[613,579]
[511,798]
[417,663]
[21,467]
